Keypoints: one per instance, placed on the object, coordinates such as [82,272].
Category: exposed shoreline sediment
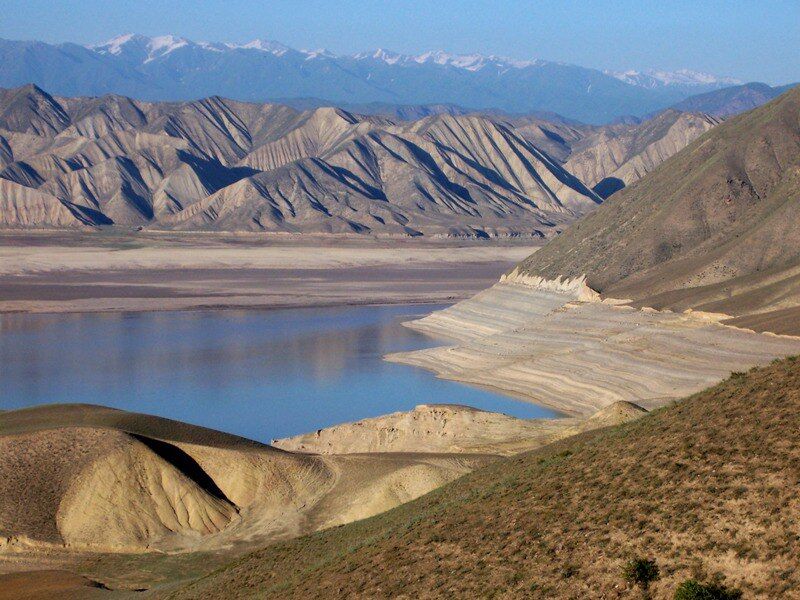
[558,344]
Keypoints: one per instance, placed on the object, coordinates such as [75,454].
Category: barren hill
[98,479]
[705,487]
[217,164]
[221,165]
[715,227]
[610,158]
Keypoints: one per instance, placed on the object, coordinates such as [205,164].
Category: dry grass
[706,487]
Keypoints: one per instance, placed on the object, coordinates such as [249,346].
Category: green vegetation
[707,485]
[692,589]
[641,572]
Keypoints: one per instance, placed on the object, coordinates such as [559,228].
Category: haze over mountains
[174,68]
[222,165]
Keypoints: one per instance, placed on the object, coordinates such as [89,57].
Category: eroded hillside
[705,487]
[221,165]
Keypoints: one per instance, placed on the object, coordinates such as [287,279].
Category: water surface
[259,374]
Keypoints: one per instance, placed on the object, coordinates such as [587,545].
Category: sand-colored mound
[450,428]
[431,428]
[611,415]
[103,489]
[88,477]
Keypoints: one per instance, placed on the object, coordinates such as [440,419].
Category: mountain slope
[731,100]
[680,485]
[217,164]
[173,68]
[714,227]
[615,156]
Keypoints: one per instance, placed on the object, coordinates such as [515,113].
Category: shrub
[691,589]
[641,572]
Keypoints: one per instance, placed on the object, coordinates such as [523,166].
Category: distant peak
[319,53]
[469,62]
[146,49]
[652,78]
[152,47]
[270,46]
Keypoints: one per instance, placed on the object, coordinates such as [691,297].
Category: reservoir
[258,374]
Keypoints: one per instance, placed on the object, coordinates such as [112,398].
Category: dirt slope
[714,227]
[705,487]
[92,478]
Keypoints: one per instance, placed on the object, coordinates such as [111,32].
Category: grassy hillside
[706,487]
[714,227]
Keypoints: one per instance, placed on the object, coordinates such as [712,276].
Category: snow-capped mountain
[468,62]
[170,67]
[655,78]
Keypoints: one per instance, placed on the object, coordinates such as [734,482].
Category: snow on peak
[148,49]
[652,78]
[388,57]
[469,62]
[152,46]
[164,44]
[270,46]
[114,45]
[318,53]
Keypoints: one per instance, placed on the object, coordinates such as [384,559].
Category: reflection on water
[260,374]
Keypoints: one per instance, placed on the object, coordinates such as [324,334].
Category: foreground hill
[705,487]
[90,478]
[713,228]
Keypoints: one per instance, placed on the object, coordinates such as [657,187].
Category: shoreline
[575,355]
[238,307]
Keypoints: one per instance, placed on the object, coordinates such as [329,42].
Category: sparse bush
[569,571]
[738,375]
[691,589]
[641,572]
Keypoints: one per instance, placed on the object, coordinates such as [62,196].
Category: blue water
[259,374]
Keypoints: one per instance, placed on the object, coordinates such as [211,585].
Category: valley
[289,323]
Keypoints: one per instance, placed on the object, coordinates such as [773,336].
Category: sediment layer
[556,344]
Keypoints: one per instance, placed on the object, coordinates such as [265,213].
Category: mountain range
[222,165]
[176,69]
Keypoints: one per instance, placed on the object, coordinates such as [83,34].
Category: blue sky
[754,40]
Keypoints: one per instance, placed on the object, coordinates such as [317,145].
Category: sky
[750,40]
